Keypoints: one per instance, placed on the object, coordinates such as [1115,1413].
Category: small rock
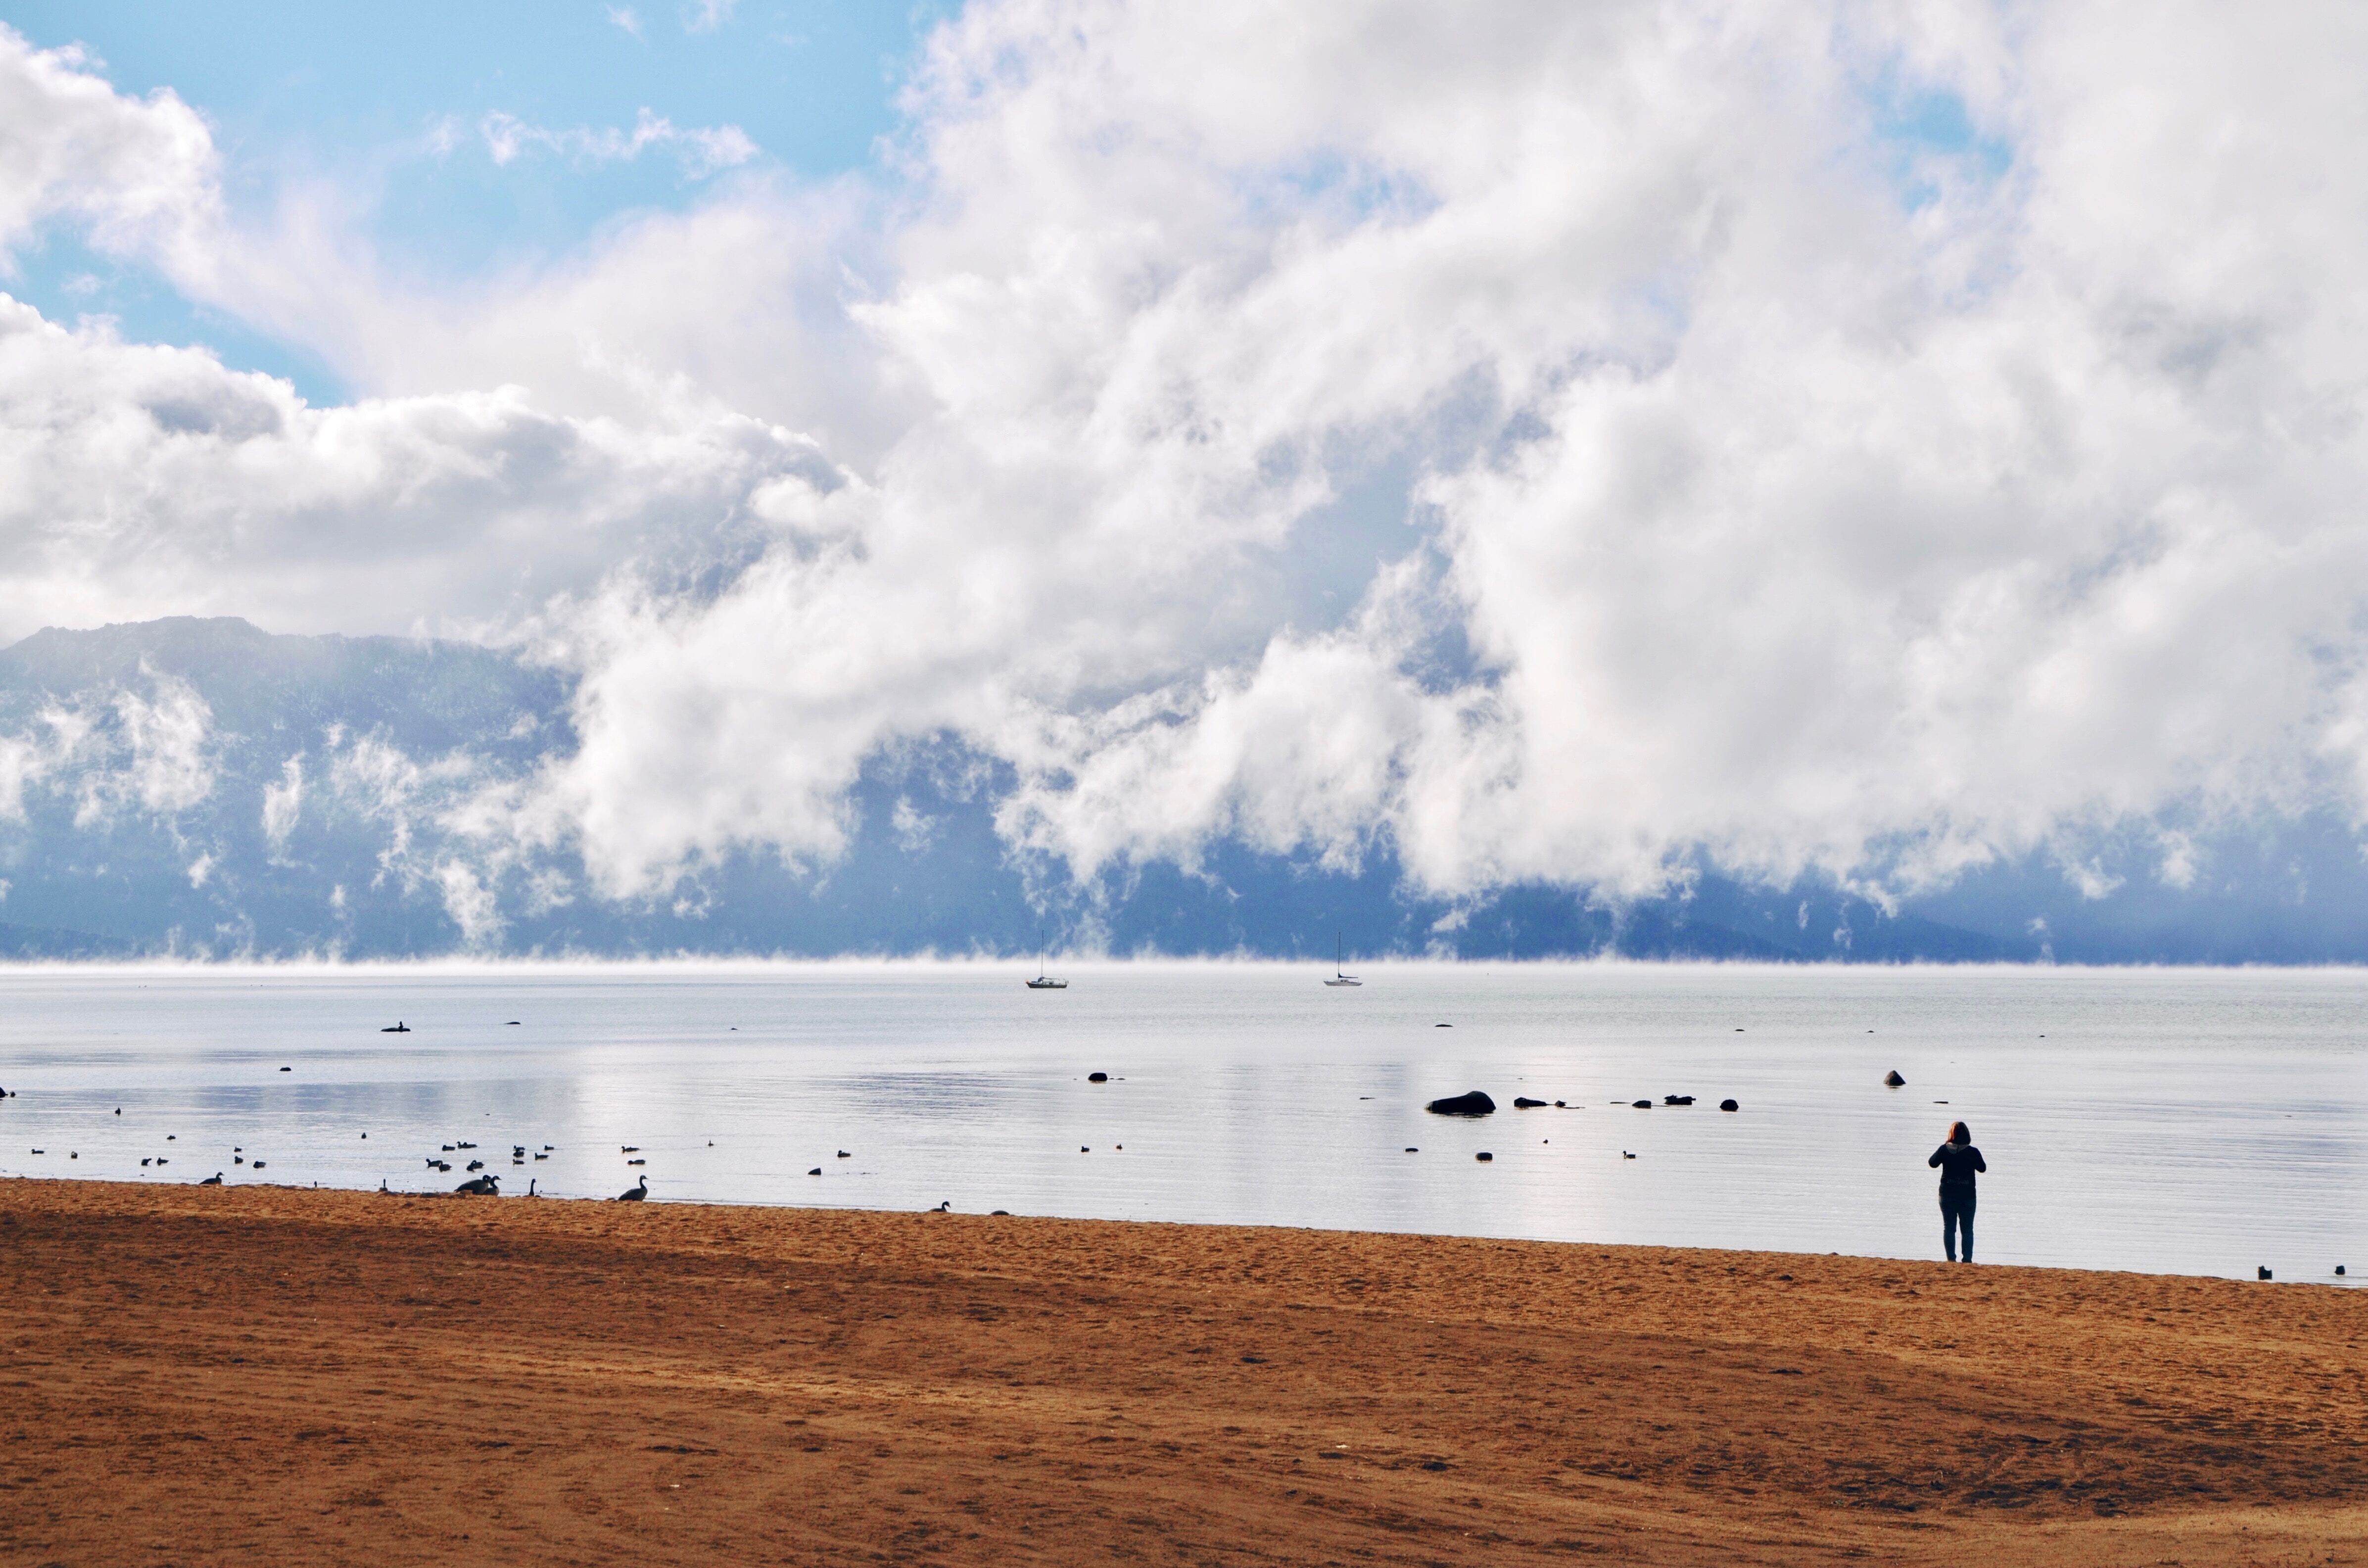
[1522,1102]
[2339,1271]
[1893,1080]
[1472,1103]
[1097,1077]
[1005,1212]
[1483,1155]
[1728,1105]
[816,1171]
[1559,1106]
[1412,1150]
[1641,1104]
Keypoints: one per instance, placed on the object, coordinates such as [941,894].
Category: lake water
[2186,1121]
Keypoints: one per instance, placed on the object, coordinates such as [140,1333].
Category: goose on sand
[635,1194]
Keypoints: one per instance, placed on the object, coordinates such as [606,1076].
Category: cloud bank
[1560,443]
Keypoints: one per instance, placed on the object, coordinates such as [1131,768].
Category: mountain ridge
[200,787]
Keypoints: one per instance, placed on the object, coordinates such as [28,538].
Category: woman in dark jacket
[1957,1160]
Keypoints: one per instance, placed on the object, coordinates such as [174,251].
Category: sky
[1545,442]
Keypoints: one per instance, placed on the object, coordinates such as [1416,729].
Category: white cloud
[707,15]
[140,176]
[138,480]
[703,150]
[1554,438]
[625,18]
[118,748]
[283,803]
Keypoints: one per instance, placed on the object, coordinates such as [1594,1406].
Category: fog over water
[2160,1120]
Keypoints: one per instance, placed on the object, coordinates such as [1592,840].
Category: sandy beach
[264,1375]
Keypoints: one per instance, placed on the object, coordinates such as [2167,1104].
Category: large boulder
[1473,1104]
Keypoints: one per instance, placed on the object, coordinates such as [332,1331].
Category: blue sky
[354,96]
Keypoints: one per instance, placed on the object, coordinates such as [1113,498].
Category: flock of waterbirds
[480,1183]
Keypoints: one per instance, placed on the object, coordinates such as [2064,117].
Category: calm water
[2177,1121]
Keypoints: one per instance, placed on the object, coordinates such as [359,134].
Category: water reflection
[2179,1121]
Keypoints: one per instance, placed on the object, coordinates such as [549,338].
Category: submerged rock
[1472,1103]
[1728,1105]
[1522,1102]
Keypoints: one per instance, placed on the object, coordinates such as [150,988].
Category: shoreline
[265,1372]
[2345,1284]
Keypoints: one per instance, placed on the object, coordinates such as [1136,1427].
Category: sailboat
[1042,981]
[1340,976]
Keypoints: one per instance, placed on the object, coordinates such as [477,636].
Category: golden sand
[258,1375]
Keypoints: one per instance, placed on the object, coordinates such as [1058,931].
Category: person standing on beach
[1957,1160]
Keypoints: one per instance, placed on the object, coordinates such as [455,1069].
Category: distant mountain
[203,788]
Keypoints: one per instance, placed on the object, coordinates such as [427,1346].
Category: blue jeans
[1957,1215]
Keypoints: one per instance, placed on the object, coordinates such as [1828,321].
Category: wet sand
[260,1375]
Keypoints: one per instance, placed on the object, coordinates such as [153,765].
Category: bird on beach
[213,1180]
[481,1187]
[635,1194]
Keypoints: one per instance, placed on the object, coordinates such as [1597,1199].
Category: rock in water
[1521,1102]
[1893,1080]
[1728,1105]
[1641,1104]
[1097,1077]
[1473,1104]
[1483,1155]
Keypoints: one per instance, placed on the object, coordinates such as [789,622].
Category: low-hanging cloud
[1554,441]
